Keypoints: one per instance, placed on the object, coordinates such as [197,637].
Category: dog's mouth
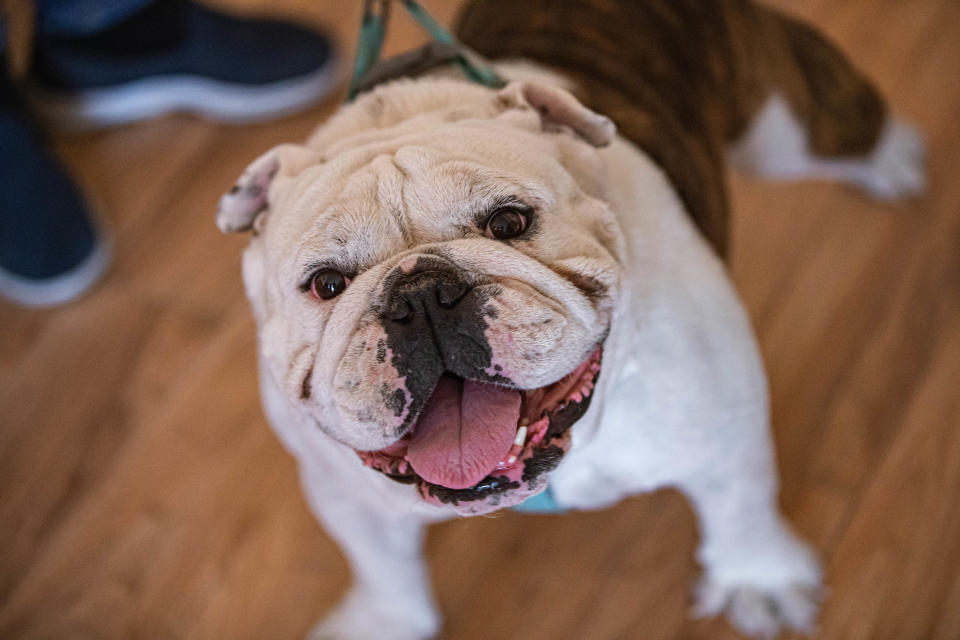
[479,446]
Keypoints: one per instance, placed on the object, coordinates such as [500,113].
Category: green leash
[369,71]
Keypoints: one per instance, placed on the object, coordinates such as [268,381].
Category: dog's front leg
[756,570]
[390,597]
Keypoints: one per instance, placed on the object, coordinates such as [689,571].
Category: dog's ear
[558,107]
[240,207]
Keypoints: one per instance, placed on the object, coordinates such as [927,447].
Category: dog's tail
[683,79]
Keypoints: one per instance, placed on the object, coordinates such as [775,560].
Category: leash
[369,70]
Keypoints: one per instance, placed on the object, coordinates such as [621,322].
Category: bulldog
[468,296]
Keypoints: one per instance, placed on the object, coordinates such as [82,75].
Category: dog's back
[683,79]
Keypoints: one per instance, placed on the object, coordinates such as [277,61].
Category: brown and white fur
[626,254]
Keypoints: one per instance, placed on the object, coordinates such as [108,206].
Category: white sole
[61,289]
[153,96]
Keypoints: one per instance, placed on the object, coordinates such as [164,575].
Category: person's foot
[175,55]
[50,252]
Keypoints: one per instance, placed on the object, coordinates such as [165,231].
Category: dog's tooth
[521,435]
[511,460]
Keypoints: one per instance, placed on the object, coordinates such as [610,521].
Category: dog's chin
[525,434]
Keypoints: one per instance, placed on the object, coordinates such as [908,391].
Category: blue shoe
[175,55]
[50,252]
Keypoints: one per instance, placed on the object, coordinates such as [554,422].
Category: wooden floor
[143,496]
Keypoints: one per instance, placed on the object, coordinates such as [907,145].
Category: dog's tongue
[466,428]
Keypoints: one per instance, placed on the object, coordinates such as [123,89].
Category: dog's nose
[424,292]
[450,292]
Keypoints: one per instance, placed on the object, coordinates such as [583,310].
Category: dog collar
[369,70]
[543,503]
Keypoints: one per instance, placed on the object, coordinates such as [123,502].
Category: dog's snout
[398,309]
[424,292]
[450,292]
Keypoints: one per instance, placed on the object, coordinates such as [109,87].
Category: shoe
[50,251]
[175,55]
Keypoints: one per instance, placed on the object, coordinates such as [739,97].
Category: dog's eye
[506,223]
[328,283]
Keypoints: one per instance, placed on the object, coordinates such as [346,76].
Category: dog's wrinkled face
[433,284]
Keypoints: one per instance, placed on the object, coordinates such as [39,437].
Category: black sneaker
[50,251]
[178,56]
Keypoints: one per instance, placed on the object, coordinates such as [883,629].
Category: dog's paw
[773,588]
[359,617]
[760,612]
[897,167]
